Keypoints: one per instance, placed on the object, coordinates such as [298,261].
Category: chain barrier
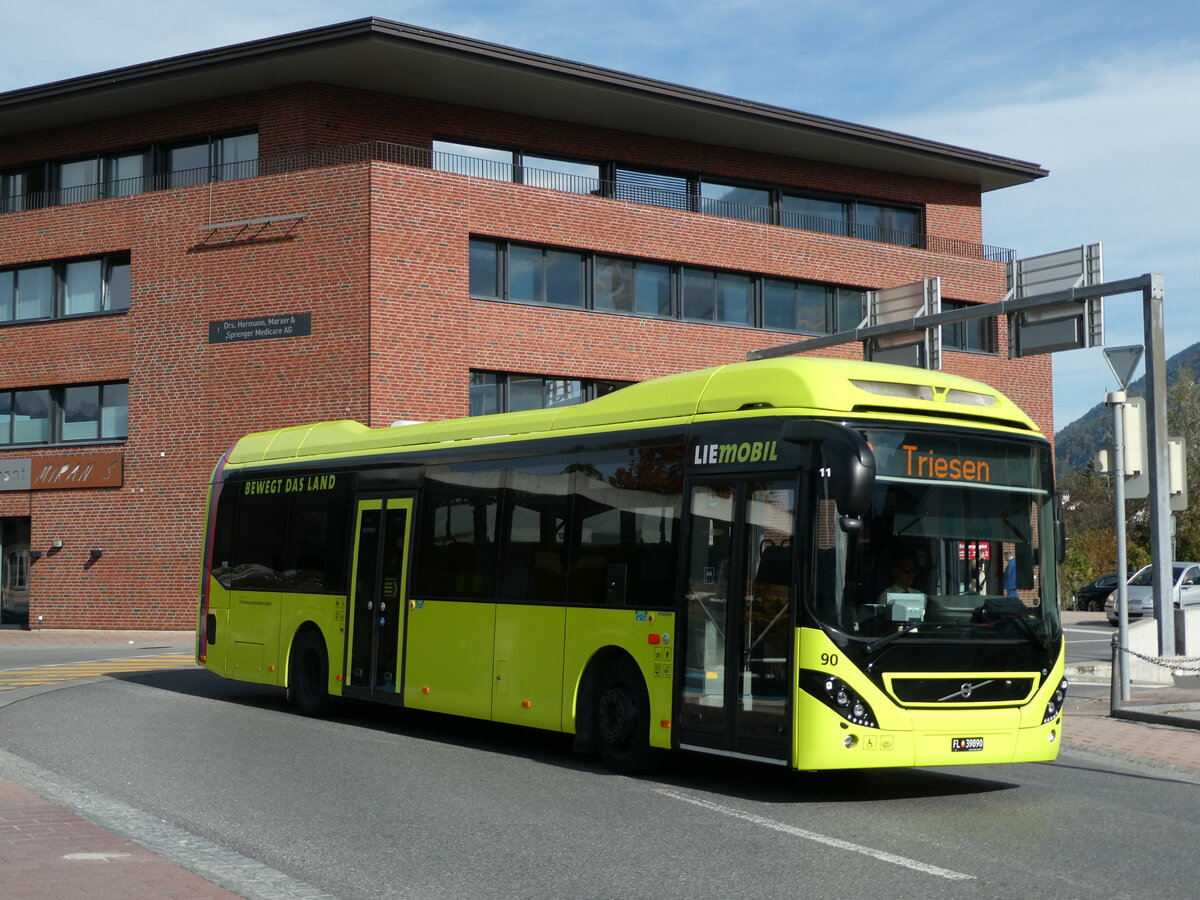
[1168,662]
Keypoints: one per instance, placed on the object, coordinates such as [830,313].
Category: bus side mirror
[850,461]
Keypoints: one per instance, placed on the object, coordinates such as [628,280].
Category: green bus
[819,564]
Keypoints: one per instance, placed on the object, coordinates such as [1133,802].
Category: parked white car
[1186,592]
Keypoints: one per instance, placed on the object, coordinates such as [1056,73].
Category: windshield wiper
[875,646]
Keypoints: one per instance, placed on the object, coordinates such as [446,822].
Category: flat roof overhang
[393,58]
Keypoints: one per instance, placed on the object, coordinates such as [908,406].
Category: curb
[1161,714]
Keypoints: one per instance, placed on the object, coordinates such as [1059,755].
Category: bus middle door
[378,589]
[737,626]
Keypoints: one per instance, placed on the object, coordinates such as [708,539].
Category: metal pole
[1114,689]
[1158,462]
[1120,658]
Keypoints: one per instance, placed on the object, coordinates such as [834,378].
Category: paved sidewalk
[66,637]
[51,853]
[1172,739]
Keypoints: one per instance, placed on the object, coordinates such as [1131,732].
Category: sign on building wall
[262,328]
[15,474]
[96,470]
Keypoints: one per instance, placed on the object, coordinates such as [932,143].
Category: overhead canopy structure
[393,58]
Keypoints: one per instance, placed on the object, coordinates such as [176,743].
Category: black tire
[621,717]
[308,675]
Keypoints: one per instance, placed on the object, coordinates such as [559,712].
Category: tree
[1089,503]
[1183,420]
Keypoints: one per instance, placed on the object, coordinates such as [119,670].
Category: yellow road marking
[54,674]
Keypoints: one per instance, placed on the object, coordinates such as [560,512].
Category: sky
[1105,95]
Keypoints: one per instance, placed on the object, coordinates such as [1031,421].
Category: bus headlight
[839,697]
[1054,707]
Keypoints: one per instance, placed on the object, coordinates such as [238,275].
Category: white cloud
[1119,137]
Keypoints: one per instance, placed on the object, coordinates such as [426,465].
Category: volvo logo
[964,692]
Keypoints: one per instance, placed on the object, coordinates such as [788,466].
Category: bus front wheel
[308,675]
[621,723]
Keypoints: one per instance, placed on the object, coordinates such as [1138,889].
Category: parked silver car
[1186,592]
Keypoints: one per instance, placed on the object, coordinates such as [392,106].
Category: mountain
[1075,445]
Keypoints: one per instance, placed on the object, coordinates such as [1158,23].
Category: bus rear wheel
[308,675]
[621,724]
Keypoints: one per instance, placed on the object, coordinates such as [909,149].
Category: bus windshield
[957,544]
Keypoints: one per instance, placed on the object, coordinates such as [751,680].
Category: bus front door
[737,619]
[378,589]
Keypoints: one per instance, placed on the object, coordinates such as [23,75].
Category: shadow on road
[713,775]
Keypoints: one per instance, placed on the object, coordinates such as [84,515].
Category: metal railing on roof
[625,189]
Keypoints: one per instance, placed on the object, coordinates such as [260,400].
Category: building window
[542,275]
[76,287]
[976,335]
[212,159]
[796,306]
[525,273]
[886,224]
[560,174]
[849,308]
[127,172]
[23,188]
[74,413]
[469,159]
[847,216]
[631,286]
[712,296]
[814,214]
[78,181]
[734,202]
[653,188]
[497,392]
[501,164]
[124,173]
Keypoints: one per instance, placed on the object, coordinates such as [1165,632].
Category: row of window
[497,392]
[552,276]
[120,174]
[599,528]
[66,287]
[544,275]
[80,412]
[826,213]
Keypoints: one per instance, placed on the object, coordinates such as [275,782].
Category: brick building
[379,222]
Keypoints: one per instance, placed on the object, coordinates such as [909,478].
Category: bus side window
[258,542]
[533,541]
[456,539]
[626,527]
[313,556]
[226,498]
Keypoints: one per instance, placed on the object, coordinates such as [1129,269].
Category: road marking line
[838,843]
[57,672]
[108,661]
[95,857]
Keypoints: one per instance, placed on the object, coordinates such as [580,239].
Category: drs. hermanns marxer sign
[286,325]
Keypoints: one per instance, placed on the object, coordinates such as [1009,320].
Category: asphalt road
[1089,637]
[386,803]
